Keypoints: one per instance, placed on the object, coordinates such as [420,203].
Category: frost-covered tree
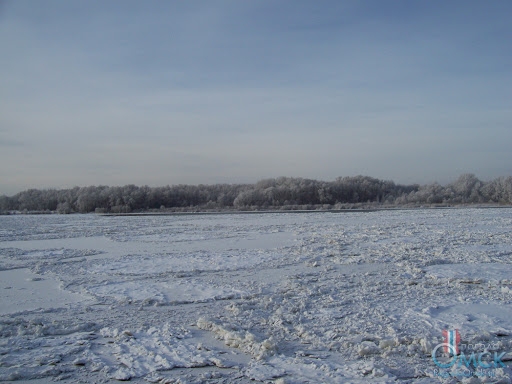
[6,204]
[467,188]
[281,192]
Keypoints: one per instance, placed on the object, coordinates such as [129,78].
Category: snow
[163,292]
[23,290]
[475,273]
[278,297]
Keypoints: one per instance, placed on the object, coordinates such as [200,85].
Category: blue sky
[167,92]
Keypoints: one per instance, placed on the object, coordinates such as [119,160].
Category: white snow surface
[275,297]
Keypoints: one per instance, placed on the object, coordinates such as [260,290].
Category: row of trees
[283,192]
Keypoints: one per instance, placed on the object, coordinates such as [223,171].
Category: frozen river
[274,297]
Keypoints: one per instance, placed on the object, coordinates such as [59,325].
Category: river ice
[274,297]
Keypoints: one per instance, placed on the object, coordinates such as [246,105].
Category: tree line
[275,193]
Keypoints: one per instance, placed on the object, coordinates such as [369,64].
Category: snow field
[289,298]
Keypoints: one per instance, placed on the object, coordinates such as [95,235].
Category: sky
[202,92]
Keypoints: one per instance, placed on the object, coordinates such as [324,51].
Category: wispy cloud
[172,92]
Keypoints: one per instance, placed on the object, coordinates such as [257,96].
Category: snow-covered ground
[284,297]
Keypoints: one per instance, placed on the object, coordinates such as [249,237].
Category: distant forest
[282,193]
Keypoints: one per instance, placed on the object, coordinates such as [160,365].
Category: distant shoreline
[270,211]
[283,194]
[355,210]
